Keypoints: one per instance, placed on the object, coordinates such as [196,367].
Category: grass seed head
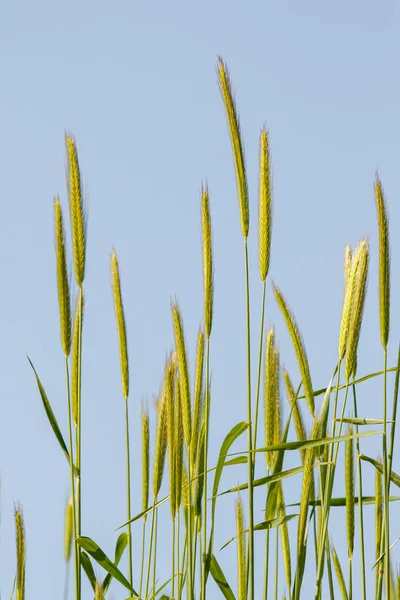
[161,443]
[237,145]
[178,443]
[296,411]
[241,551]
[183,373]
[265,206]
[384,262]
[208,281]
[76,206]
[121,326]
[298,348]
[283,528]
[64,300]
[145,457]
[198,388]
[68,531]
[270,395]
[21,552]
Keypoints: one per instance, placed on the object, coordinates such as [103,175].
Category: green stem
[142,561]
[276,561]
[394,415]
[350,579]
[155,555]
[79,439]
[385,477]
[259,369]
[331,468]
[207,416]
[266,568]
[249,431]
[71,466]
[150,546]
[329,568]
[190,532]
[360,504]
[128,492]
[173,559]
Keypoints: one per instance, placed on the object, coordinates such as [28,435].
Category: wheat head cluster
[292,543]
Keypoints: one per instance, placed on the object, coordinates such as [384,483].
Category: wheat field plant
[301,452]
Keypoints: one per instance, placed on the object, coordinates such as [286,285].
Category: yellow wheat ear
[64,301]
[121,326]
[145,458]
[183,370]
[384,262]
[265,205]
[241,550]
[68,531]
[237,145]
[76,206]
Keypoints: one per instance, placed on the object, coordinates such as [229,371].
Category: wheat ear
[21,552]
[207,261]
[121,325]
[384,262]
[265,206]
[241,551]
[75,197]
[183,373]
[64,301]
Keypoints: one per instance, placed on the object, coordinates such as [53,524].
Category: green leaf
[361,421]
[265,480]
[305,444]
[265,525]
[341,502]
[160,589]
[239,460]
[144,512]
[51,416]
[88,568]
[220,579]
[378,465]
[234,433]
[97,553]
[121,544]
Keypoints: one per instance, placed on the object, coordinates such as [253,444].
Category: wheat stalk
[349,484]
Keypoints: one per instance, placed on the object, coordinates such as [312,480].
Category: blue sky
[136,84]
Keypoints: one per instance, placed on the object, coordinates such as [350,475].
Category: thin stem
[385,477]
[150,546]
[79,438]
[128,492]
[71,466]
[266,568]
[143,551]
[207,416]
[360,504]
[155,555]
[350,579]
[190,532]
[329,568]
[249,431]
[276,561]
[259,369]
[173,559]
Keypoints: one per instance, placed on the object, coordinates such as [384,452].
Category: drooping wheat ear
[237,145]
[178,443]
[171,423]
[145,457]
[68,531]
[75,197]
[161,443]
[198,388]
[339,573]
[121,326]
[349,483]
[306,489]
[241,551]
[99,591]
[64,300]
[296,411]
[351,270]
[361,263]
[207,261]
[75,358]
[283,528]
[21,551]
[384,262]
[298,348]
[183,373]
[265,205]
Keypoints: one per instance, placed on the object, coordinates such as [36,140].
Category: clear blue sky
[136,84]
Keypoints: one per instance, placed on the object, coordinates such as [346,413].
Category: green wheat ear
[21,552]
[298,348]
[64,301]
[384,262]
[68,531]
[241,551]
[265,205]
[145,457]
[207,261]
[121,326]
[76,206]
[237,145]
[183,372]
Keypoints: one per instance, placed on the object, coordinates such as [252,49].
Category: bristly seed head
[121,326]
[237,145]
[21,552]
[78,224]
[183,372]
[384,262]
[208,282]
[64,300]
[265,205]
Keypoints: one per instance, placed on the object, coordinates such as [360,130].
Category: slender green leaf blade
[88,568]
[220,579]
[121,544]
